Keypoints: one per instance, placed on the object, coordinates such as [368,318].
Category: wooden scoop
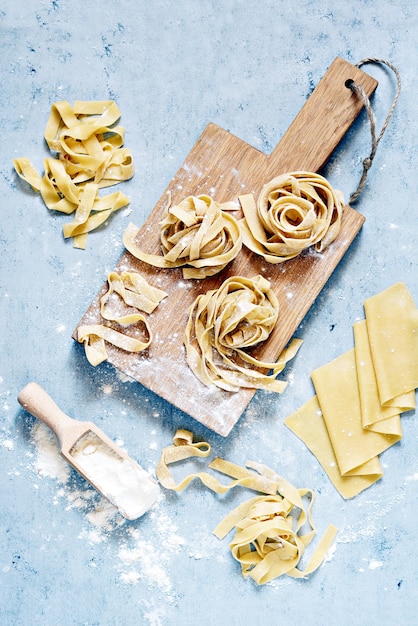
[94,455]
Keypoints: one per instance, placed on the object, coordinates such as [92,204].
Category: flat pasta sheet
[355,414]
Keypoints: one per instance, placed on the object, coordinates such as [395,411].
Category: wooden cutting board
[224,167]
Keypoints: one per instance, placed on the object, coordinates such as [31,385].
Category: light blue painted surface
[173,67]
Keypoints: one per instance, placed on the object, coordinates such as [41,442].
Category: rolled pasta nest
[293,212]
[196,234]
[223,324]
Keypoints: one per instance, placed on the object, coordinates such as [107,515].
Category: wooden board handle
[323,120]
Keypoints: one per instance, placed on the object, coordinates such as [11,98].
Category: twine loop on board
[357,89]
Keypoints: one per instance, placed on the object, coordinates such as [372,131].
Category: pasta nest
[266,542]
[294,212]
[88,155]
[197,234]
[243,313]
[222,324]
[273,530]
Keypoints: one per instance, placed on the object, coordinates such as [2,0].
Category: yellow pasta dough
[375,416]
[360,396]
[196,234]
[223,324]
[293,212]
[267,541]
[272,530]
[89,156]
[308,424]
[392,326]
[135,292]
[336,388]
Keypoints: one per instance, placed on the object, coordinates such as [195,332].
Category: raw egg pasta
[293,212]
[89,155]
[360,395]
[268,543]
[135,293]
[86,139]
[272,531]
[223,324]
[197,234]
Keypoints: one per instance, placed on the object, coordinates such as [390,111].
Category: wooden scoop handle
[36,401]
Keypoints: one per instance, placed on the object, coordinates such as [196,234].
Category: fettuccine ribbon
[269,539]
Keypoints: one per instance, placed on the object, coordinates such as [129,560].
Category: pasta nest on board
[294,211]
[223,323]
[198,234]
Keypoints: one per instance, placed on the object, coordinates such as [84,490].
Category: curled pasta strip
[184,448]
[136,293]
[90,155]
[272,531]
[95,336]
[225,322]
[196,234]
[294,212]
[134,290]
[269,541]
[87,139]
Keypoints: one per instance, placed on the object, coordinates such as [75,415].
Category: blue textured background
[174,66]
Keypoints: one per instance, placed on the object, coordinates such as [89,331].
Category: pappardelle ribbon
[135,292]
[272,530]
[89,156]
[198,234]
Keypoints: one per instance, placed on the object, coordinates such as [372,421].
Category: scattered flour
[7,444]
[137,558]
[330,554]
[370,527]
[413,477]
[48,461]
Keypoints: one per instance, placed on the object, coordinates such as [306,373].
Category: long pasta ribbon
[270,539]
[135,292]
[198,234]
[89,156]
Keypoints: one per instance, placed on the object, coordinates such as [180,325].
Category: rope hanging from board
[358,90]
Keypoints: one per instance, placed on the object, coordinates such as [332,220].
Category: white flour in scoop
[120,480]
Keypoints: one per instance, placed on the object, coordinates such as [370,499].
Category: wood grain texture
[224,167]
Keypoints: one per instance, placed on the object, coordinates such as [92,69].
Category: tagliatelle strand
[180,452]
[89,152]
[293,212]
[92,212]
[135,292]
[94,337]
[272,531]
[26,171]
[197,234]
[223,324]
